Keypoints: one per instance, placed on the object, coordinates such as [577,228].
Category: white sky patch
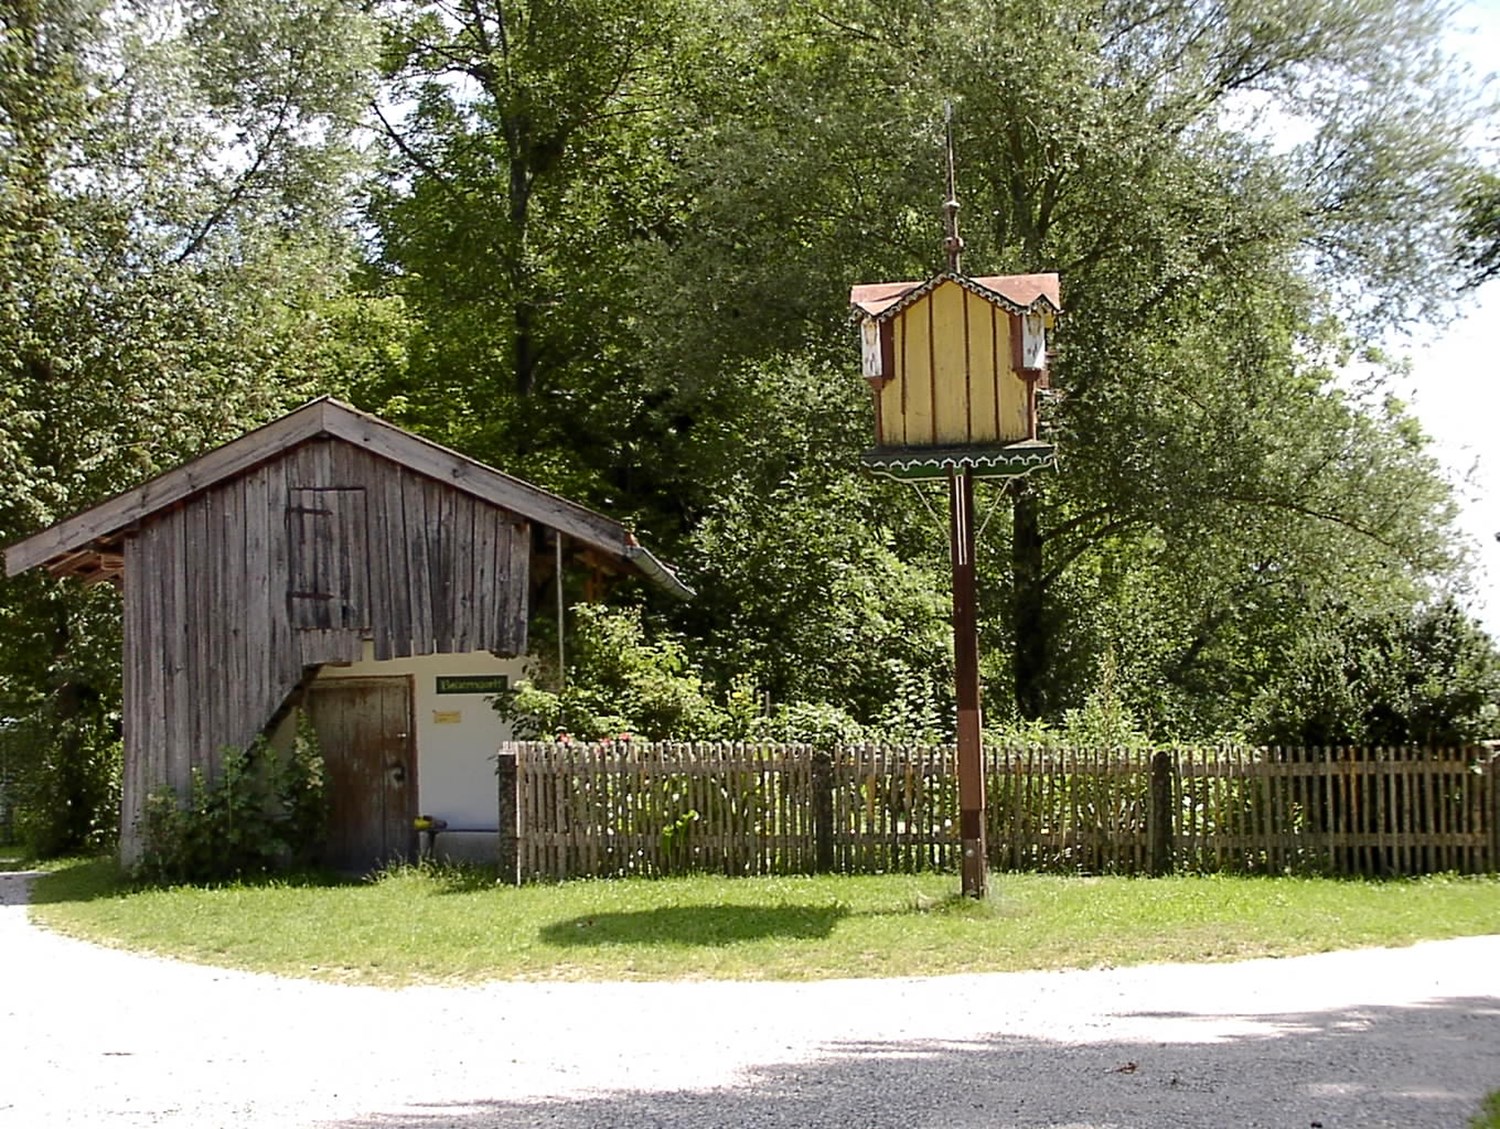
[1262,115]
[1452,389]
[1452,386]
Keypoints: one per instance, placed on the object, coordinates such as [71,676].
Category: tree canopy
[607,246]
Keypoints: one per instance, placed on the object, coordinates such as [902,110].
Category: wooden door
[364,728]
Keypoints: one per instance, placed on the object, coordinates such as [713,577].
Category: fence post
[822,811]
[1161,813]
[1492,779]
[507,850]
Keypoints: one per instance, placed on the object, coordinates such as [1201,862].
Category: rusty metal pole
[966,678]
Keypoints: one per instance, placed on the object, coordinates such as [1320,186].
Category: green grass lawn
[434,925]
[1489,1115]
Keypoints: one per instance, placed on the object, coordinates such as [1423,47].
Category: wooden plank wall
[217,636]
[947,396]
[635,808]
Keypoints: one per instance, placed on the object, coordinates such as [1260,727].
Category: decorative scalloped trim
[1004,462]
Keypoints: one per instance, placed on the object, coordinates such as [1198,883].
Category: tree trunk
[525,353]
[1031,645]
[522,308]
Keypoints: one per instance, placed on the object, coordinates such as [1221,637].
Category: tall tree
[527,147]
[626,237]
[1201,265]
[170,187]
[1206,265]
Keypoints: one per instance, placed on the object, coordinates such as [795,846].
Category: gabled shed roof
[1018,293]
[79,543]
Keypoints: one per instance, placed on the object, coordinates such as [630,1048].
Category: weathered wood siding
[231,596]
[955,383]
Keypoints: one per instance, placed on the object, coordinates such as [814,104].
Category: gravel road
[1381,1037]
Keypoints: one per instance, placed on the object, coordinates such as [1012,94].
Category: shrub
[61,782]
[618,682]
[265,812]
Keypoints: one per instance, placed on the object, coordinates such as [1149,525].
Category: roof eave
[324,417]
[890,305]
[118,512]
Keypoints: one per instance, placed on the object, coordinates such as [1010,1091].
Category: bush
[618,682]
[622,683]
[265,812]
[62,784]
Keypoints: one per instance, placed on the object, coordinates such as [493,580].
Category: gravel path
[1384,1037]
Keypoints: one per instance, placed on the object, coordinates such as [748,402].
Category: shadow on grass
[696,925]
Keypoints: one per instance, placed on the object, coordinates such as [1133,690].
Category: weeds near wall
[266,811]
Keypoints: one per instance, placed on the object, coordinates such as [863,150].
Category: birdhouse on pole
[955,364]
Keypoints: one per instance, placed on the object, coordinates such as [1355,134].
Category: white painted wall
[456,738]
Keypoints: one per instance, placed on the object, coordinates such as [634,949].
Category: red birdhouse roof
[1018,293]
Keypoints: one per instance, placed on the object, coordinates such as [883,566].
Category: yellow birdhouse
[954,364]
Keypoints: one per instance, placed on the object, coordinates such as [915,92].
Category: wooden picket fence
[621,808]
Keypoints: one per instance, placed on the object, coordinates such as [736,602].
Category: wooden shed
[333,560]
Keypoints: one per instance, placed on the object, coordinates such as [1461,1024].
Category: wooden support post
[971,830]
[822,810]
[1161,813]
[508,856]
[1492,779]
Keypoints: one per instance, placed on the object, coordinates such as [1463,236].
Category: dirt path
[1403,1037]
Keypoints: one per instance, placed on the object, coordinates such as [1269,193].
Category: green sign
[473,683]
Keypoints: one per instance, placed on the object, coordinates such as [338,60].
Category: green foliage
[1424,677]
[618,683]
[263,812]
[821,584]
[60,733]
[1479,254]
[64,795]
[1104,721]
[810,723]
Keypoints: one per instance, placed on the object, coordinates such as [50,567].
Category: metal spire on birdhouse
[952,242]
[954,364]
